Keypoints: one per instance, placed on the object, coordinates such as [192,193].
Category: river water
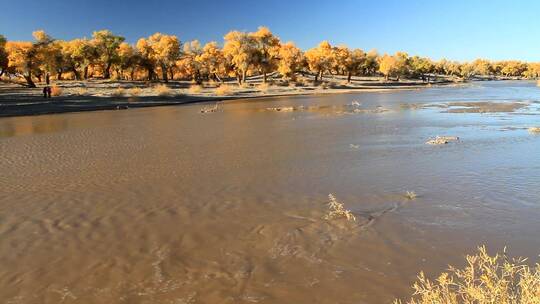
[169,205]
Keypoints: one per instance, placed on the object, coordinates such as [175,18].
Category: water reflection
[19,126]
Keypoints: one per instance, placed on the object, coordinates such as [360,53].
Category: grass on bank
[486,279]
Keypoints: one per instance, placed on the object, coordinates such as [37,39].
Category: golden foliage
[292,60]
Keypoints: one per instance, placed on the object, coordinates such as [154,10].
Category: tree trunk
[217,78]
[164,74]
[239,79]
[107,74]
[29,81]
[47,78]
[321,76]
[349,77]
[244,74]
[86,72]
[316,76]
[264,77]
[150,73]
[76,73]
[132,74]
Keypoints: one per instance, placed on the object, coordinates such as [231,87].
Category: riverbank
[94,95]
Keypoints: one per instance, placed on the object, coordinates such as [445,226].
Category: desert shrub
[263,87]
[195,89]
[82,91]
[337,210]
[56,90]
[411,195]
[118,92]
[162,90]
[134,92]
[534,130]
[485,279]
[224,90]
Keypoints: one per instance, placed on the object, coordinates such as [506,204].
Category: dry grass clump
[134,92]
[485,279]
[337,210]
[195,89]
[324,86]
[56,90]
[224,90]
[411,195]
[442,140]
[534,130]
[210,108]
[82,91]
[119,92]
[263,87]
[162,90]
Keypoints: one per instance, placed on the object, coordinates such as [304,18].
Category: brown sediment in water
[167,205]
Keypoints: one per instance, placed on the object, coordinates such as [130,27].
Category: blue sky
[457,29]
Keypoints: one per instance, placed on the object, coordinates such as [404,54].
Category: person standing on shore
[47,91]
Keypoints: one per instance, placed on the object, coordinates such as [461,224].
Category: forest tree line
[164,57]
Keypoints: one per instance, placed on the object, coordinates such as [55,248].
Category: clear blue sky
[456,29]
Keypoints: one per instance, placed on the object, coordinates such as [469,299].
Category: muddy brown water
[168,205]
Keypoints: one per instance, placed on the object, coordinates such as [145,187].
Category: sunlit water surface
[168,205]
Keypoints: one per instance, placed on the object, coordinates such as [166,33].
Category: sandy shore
[93,95]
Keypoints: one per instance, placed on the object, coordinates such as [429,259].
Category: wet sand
[169,205]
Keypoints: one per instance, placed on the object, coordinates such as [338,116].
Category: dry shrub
[119,92]
[56,90]
[225,90]
[534,130]
[163,90]
[485,279]
[411,195]
[263,87]
[134,92]
[195,89]
[337,210]
[82,91]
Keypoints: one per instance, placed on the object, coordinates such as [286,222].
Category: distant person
[45,91]
[49,92]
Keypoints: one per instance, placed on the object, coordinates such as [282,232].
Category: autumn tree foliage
[240,50]
[388,66]
[107,44]
[188,64]
[161,57]
[320,59]
[291,60]
[267,47]
[213,62]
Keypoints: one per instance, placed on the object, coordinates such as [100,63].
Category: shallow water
[168,205]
